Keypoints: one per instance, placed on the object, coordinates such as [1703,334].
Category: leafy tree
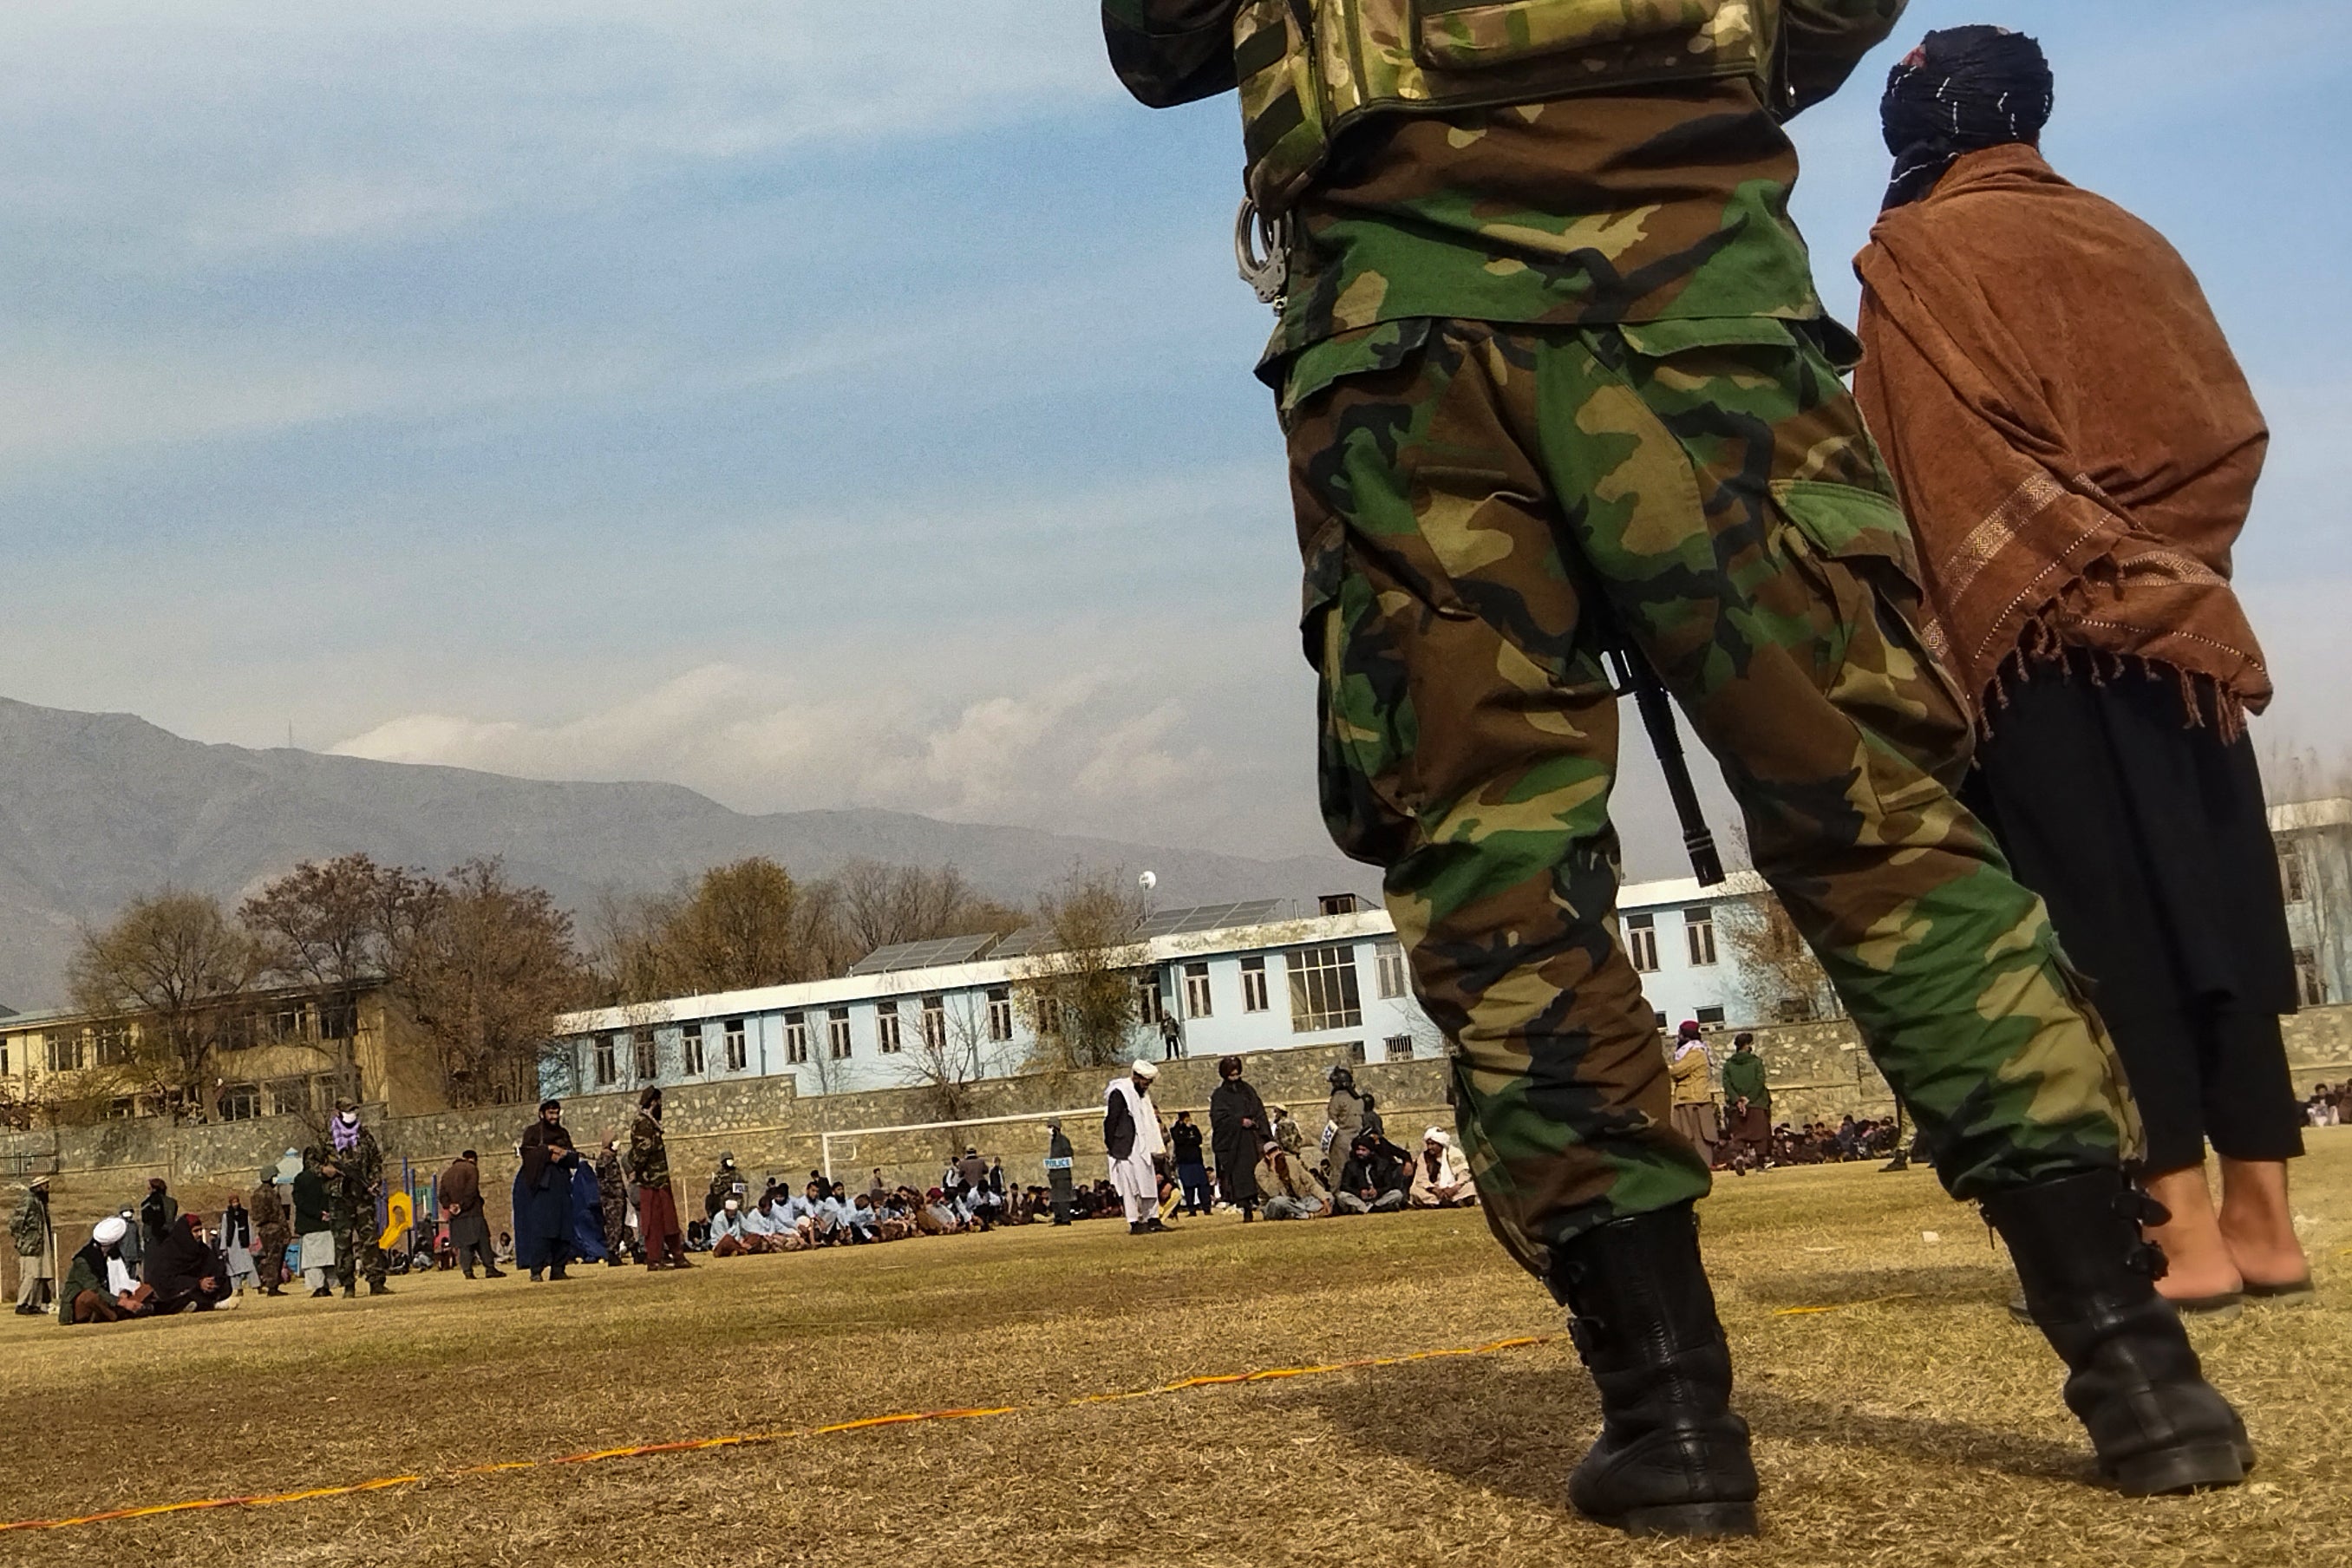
[482,972]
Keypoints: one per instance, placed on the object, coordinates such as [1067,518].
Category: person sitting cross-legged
[1374,1179]
[728,1236]
[1441,1176]
[1287,1186]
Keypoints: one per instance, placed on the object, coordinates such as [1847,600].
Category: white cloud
[1100,750]
[224,130]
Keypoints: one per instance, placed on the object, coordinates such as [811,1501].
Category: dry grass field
[1914,1425]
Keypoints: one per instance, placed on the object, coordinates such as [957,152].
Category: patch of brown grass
[1922,1429]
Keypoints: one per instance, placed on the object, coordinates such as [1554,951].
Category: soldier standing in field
[612,1197]
[648,1163]
[1554,377]
[358,1181]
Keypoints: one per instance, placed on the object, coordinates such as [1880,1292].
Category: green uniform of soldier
[352,1150]
[1554,376]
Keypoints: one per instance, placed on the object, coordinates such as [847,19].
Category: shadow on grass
[1986,1284]
[1520,1430]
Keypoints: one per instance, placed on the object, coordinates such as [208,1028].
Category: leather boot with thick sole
[1671,1458]
[2132,1378]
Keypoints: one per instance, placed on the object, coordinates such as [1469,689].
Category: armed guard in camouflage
[358,1181]
[1554,375]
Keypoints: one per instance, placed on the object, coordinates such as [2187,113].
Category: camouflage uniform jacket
[1669,204]
[31,1228]
[612,1187]
[268,1213]
[648,1153]
[359,1171]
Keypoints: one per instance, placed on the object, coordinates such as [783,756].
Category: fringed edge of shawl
[2040,642]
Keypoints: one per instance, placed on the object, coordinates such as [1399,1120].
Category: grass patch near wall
[1914,1425]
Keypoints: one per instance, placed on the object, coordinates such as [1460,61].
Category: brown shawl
[2073,438]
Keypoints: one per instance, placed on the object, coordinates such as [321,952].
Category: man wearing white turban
[99,1287]
[1132,1137]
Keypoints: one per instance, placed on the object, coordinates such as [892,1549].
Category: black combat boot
[2132,1379]
[1671,1458]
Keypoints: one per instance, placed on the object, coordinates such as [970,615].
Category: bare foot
[2200,1263]
[2257,1222]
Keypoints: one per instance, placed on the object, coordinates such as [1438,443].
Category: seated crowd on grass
[2329,1105]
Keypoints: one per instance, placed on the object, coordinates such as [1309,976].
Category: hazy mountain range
[97,808]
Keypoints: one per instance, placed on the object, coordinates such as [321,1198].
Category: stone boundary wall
[1819,1072]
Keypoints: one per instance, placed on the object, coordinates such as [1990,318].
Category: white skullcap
[1145,1069]
[1437,1135]
[732,1205]
[108,1231]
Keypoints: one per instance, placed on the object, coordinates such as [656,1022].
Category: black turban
[1963,89]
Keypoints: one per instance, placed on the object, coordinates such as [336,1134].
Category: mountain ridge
[97,808]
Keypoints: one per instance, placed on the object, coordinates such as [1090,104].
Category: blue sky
[606,390]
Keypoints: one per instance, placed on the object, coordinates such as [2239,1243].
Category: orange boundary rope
[747,1440]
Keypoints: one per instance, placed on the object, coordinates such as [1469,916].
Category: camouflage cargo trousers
[1477,505]
[357,1256]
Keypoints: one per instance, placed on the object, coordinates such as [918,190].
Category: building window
[240,1102]
[1049,1013]
[1355,1049]
[1388,959]
[339,1020]
[886,1029]
[1642,942]
[1323,992]
[836,1031]
[608,1059]
[1661,1017]
[1699,930]
[122,1110]
[1196,990]
[738,1053]
[113,1045]
[1712,1018]
[65,1053]
[1150,1005]
[1254,986]
[690,1050]
[648,1061]
[796,1038]
[1397,1049]
[2309,989]
[2291,878]
[935,1023]
[1000,1013]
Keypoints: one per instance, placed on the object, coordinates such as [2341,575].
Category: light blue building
[1234,979]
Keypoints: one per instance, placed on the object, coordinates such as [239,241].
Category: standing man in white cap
[1131,1135]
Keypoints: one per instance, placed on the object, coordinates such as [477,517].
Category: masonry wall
[1817,1071]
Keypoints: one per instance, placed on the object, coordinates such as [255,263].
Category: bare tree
[335,924]
[1079,993]
[1777,972]
[483,974]
[168,968]
[948,1057]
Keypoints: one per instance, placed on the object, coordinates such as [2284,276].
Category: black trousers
[2144,832]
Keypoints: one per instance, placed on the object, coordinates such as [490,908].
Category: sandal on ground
[2294,1290]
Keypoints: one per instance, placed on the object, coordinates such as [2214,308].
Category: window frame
[605,1059]
[999,1014]
[1325,988]
[1255,997]
[796,1039]
[1698,937]
[1641,942]
[739,1044]
[690,1050]
[839,1046]
[1199,1003]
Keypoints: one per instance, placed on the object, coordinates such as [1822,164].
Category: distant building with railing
[1231,979]
[282,1050]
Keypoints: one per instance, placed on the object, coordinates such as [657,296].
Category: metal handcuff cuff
[1261,251]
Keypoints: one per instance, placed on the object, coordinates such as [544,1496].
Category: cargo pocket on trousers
[1363,715]
[1858,549]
